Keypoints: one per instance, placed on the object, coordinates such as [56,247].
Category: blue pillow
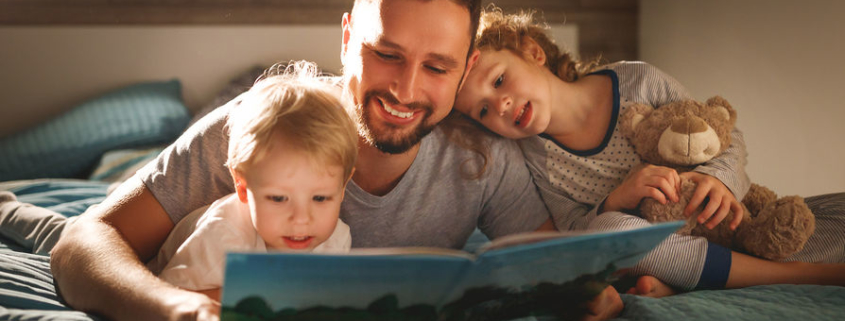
[70,145]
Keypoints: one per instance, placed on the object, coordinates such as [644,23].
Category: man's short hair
[473,6]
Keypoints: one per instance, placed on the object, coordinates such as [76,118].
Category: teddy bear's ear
[632,118]
[723,108]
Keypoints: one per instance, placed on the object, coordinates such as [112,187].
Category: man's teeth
[397,113]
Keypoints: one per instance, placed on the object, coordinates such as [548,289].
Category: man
[404,60]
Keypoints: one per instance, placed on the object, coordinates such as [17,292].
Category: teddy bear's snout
[689,140]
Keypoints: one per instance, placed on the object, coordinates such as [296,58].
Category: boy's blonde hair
[508,31]
[293,102]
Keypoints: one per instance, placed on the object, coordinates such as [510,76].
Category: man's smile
[395,113]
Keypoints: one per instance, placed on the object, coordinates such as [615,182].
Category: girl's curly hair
[498,31]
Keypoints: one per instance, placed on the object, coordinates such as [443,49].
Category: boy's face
[508,94]
[404,60]
[293,202]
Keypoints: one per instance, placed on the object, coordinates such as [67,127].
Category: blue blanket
[26,284]
[27,291]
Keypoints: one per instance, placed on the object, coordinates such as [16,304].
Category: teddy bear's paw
[757,198]
[651,210]
[779,230]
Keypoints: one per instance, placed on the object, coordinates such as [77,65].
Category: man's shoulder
[500,152]
[446,141]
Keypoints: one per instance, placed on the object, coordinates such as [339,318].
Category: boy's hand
[606,305]
[657,182]
[721,200]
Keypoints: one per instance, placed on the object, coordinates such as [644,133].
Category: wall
[780,65]
[46,70]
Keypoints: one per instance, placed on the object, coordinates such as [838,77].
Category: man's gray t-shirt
[432,205]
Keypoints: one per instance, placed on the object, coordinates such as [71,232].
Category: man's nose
[405,84]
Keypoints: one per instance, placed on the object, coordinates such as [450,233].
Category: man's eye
[320,198]
[277,198]
[436,70]
[385,56]
[482,112]
[499,81]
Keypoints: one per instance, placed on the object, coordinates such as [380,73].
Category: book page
[526,238]
[542,272]
[412,251]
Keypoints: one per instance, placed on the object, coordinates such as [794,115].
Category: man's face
[404,60]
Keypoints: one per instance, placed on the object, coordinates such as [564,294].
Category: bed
[27,291]
[26,285]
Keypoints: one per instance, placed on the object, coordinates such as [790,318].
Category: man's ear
[532,50]
[470,63]
[346,26]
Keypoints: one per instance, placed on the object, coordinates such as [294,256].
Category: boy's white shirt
[194,253]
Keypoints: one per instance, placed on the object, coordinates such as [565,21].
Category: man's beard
[387,139]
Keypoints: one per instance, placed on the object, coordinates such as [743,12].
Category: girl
[522,86]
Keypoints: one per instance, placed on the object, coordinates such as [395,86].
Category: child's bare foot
[651,287]
[606,305]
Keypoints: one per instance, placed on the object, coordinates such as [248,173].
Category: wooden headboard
[606,27]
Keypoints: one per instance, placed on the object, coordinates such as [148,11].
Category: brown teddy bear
[684,134]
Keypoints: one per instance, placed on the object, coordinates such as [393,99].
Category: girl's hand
[721,200]
[657,182]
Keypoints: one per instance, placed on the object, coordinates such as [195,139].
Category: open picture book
[515,276]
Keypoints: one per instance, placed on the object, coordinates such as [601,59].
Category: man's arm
[98,262]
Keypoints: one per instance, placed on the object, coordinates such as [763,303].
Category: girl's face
[507,93]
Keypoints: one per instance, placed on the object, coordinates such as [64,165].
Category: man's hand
[720,201]
[189,306]
[606,305]
[657,182]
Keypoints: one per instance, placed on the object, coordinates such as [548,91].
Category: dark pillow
[70,145]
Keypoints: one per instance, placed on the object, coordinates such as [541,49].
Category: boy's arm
[98,262]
